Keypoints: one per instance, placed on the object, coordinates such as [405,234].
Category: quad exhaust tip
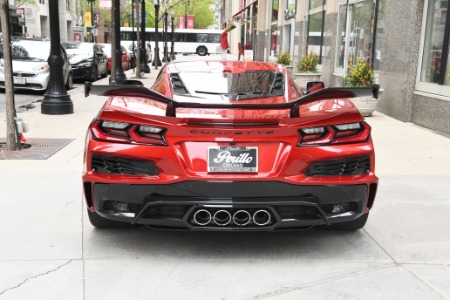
[223,217]
[202,217]
[261,217]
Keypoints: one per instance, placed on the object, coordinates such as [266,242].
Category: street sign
[20,11]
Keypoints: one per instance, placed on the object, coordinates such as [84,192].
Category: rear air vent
[177,84]
[349,166]
[277,85]
[123,166]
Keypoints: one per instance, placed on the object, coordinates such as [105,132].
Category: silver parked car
[30,68]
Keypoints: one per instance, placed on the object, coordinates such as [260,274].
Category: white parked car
[30,68]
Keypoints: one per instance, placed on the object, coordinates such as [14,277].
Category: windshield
[82,49]
[29,50]
[247,85]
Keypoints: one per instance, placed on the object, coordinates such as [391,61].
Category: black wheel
[69,83]
[100,222]
[105,74]
[348,226]
[94,74]
[202,51]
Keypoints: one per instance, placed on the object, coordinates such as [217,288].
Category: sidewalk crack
[34,277]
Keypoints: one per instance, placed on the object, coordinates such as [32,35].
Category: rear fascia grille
[348,166]
[122,166]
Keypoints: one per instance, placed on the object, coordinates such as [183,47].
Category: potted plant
[307,70]
[361,75]
[285,59]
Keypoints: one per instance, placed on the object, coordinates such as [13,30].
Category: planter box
[366,105]
[303,78]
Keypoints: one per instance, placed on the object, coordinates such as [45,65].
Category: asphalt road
[25,99]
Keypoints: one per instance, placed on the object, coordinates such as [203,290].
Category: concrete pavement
[50,251]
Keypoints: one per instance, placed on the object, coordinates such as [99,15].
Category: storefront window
[356,31]
[275,6]
[316,20]
[434,43]
[273,40]
[316,3]
[341,35]
[315,33]
[273,28]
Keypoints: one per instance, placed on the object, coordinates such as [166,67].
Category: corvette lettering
[218,132]
[225,156]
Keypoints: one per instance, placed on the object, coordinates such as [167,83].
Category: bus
[187,41]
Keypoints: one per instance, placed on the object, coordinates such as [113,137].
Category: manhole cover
[34,149]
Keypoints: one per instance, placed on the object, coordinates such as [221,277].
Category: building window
[316,23]
[291,8]
[358,35]
[274,28]
[435,67]
[42,1]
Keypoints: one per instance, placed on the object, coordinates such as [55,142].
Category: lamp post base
[57,105]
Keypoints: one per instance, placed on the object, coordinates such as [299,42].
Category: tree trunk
[112,77]
[11,136]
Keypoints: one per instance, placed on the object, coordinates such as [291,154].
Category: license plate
[233,159]
[19,80]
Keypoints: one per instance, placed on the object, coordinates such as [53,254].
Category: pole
[132,32]
[172,53]
[120,74]
[156,61]
[56,99]
[185,15]
[92,21]
[166,56]
[144,63]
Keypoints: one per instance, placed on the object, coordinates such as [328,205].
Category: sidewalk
[49,250]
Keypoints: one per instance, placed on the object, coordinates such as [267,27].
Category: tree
[11,136]
[200,9]
[19,3]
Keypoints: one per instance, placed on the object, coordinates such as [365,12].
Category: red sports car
[229,146]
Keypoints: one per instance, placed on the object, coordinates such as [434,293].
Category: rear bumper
[174,206]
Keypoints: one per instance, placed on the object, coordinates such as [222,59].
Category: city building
[406,42]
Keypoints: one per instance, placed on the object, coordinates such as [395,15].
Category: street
[23,98]
[49,250]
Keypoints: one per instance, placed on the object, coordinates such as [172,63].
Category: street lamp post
[172,38]
[120,74]
[185,15]
[144,65]
[166,56]
[156,61]
[56,99]
[92,19]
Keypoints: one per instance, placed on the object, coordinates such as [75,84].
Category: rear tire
[202,51]
[94,75]
[69,83]
[349,225]
[100,222]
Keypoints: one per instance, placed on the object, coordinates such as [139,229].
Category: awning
[242,10]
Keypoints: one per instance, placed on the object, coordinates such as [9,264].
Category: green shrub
[360,74]
[284,58]
[308,63]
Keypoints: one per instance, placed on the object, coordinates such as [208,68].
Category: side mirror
[314,86]
[99,54]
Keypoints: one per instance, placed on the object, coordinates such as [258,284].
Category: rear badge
[233,159]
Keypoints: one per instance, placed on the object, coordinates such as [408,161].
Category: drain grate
[34,149]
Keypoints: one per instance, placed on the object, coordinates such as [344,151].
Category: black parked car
[87,60]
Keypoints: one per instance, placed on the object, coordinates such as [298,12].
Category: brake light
[337,134]
[120,132]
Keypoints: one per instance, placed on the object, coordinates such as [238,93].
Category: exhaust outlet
[242,217]
[261,217]
[222,217]
[202,217]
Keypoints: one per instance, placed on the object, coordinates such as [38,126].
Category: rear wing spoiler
[134,89]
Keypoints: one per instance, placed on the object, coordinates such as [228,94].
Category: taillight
[128,133]
[337,134]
